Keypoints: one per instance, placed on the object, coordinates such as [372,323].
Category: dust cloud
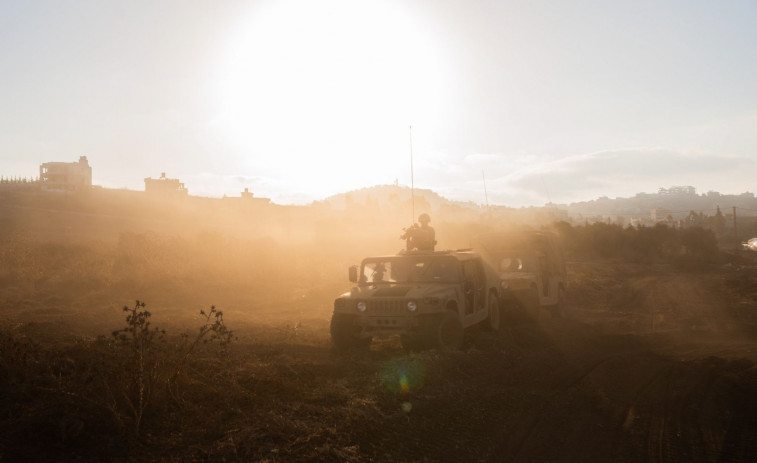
[653,362]
[94,252]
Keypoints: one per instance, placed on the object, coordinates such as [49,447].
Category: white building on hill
[165,187]
[66,176]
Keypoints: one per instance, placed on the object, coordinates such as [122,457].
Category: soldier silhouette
[428,238]
[420,238]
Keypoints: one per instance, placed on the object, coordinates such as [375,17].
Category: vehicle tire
[449,335]
[558,310]
[511,313]
[494,318]
[344,334]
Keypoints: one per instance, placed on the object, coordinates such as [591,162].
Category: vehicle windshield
[516,261]
[510,263]
[410,269]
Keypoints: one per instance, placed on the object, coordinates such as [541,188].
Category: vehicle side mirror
[353,273]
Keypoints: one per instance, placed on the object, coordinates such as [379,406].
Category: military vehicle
[531,268]
[427,298]
[750,245]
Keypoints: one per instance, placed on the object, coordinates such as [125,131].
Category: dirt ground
[652,364]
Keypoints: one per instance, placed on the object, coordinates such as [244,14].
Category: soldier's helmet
[424,218]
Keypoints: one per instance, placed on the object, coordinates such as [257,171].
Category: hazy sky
[300,99]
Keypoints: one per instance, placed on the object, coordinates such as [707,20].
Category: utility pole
[412,180]
[735,230]
[486,196]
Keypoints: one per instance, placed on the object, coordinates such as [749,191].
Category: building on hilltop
[66,176]
[678,191]
[166,187]
[247,197]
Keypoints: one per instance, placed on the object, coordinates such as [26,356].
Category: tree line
[659,243]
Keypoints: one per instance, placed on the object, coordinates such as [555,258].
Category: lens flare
[403,375]
[404,384]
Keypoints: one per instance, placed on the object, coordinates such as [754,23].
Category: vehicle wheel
[494,319]
[534,306]
[558,310]
[449,333]
[344,335]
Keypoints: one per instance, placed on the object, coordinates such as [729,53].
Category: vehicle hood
[399,291]
[516,275]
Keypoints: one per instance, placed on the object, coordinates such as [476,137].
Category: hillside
[386,196]
[677,205]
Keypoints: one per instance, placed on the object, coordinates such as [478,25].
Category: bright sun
[329,86]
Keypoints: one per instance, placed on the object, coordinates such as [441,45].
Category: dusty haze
[655,361]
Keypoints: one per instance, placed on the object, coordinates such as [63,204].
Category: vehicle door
[474,285]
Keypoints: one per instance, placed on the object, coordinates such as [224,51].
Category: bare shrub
[143,362]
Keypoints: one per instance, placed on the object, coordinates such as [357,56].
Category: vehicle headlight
[412,306]
[361,306]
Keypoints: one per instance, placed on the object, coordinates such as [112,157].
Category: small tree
[139,338]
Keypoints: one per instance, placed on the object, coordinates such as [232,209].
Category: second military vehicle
[531,268]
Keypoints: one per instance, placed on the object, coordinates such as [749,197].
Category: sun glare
[333,83]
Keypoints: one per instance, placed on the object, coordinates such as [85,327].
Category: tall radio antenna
[486,195]
[549,199]
[549,206]
[412,182]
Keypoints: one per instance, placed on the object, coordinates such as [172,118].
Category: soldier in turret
[420,238]
[428,239]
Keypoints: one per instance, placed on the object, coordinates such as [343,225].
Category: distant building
[659,215]
[66,176]
[247,197]
[678,191]
[165,187]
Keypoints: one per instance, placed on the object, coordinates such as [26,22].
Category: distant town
[67,177]
[675,206]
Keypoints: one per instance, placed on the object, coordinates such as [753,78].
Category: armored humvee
[531,268]
[427,298]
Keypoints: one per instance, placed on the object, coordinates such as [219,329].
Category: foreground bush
[105,394]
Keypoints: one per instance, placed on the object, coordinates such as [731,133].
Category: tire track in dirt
[673,411]
[657,397]
[690,414]
[574,407]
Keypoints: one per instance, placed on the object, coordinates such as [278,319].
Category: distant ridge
[677,204]
[386,195]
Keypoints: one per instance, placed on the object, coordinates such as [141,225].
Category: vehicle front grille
[379,306]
